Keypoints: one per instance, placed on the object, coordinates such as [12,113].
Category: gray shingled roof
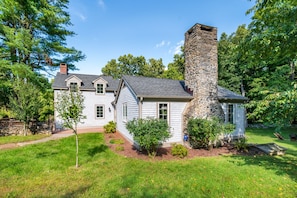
[87,79]
[227,95]
[165,88]
[156,87]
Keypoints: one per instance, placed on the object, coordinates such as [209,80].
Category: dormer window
[100,89]
[73,86]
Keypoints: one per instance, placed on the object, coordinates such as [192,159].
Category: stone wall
[15,127]
[201,72]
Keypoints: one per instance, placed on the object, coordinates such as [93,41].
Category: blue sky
[108,29]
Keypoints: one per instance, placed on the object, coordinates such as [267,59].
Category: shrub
[119,148]
[149,133]
[116,141]
[179,150]
[241,144]
[111,127]
[204,132]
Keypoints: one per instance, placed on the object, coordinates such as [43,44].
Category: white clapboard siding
[126,96]
[239,117]
[149,110]
[90,102]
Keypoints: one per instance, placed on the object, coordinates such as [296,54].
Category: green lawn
[16,139]
[48,170]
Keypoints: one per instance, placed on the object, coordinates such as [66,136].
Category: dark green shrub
[111,127]
[204,132]
[179,150]
[149,133]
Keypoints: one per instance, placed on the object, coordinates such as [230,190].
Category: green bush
[241,144]
[204,132]
[149,133]
[179,150]
[116,141]
[111,127]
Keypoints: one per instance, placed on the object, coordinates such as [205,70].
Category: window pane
[163,111]
[99,112]
[73,86]
[230,113]
[125,113]
[100,88]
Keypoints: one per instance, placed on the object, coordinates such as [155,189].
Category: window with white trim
[99,111]
[125,112]
[73,86]
[163,111]
[230,113]
[100,88]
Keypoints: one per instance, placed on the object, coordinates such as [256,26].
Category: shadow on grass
[76,192]
[97,149]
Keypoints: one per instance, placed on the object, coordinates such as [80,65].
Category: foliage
[46,170]
[111,127]
[176,69]
[130,65]
[5,113]
[116,141]
[34,33]
[204,132]
[231,63]
[277,108]
[149,133]
[179,150]
[24,102]
[241,144]
[69,106]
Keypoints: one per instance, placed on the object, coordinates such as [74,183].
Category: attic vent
[206,28]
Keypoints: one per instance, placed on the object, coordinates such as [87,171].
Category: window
[73,86]
[100,89]
[99,111]
[230,113]
[163,111]
[125,112]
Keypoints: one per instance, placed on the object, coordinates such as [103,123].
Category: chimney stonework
[63,68]
[201,72]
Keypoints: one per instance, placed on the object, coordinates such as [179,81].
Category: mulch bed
[128,150]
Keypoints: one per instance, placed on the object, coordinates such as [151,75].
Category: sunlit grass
[48,170]
[16,139]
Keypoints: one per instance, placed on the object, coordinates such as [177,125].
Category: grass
[16,139]
[48,170]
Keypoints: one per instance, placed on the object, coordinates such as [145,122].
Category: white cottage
[98,91]
[107,99]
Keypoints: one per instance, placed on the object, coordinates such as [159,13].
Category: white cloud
[162,44]
[81,16]
[101,3]
[177,48]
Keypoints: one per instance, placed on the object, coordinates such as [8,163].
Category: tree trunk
[76,138]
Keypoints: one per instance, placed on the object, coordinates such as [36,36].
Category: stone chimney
[201,71]
[63,68]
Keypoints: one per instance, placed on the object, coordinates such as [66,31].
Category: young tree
[70,107]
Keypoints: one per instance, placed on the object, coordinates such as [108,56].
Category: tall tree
[176,69]
[34,33]
[231,61]
[130,65]
[70,107]
[24,100]
[271,48]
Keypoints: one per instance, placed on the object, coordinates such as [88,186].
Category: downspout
[140,107]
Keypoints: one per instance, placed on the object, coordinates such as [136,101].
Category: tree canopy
[34,33]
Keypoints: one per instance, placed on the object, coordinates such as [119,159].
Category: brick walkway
[54,136]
